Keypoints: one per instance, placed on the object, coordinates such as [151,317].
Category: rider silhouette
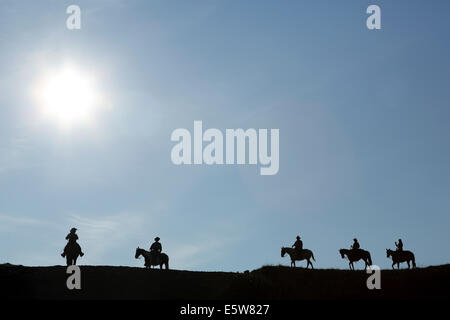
[298,245]
[155,249]
[399,245]
[72,238]
[355,245]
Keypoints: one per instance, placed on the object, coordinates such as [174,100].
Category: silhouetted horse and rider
[155,256]
[399,256]
[72,249]
[355,254]
[297,253]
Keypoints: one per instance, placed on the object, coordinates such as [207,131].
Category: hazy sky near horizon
[363,118]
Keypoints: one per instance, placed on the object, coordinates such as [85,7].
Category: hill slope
[105,282]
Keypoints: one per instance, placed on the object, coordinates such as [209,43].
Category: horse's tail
[413,260]
[312,256]
[167,262]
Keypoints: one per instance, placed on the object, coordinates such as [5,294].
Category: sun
[68,96]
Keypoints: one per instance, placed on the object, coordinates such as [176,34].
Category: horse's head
[342,252]
[138,253]
[283,252]
[388,252]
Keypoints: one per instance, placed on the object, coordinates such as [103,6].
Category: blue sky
[363,118]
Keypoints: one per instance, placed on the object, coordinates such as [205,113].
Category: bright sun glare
[68,96]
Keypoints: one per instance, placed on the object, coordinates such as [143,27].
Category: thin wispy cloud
[99,236]
[16,154]
[194,255]
[21,221]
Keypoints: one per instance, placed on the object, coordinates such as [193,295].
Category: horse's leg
[75,261]
[67,260]
[398,265]
[407,261]
[393,264]
[350,265]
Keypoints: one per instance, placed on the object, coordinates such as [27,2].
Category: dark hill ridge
[106,282]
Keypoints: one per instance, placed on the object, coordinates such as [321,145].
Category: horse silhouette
[401,256]
[295,255]
[161,259]
[354,255]
[73,251]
